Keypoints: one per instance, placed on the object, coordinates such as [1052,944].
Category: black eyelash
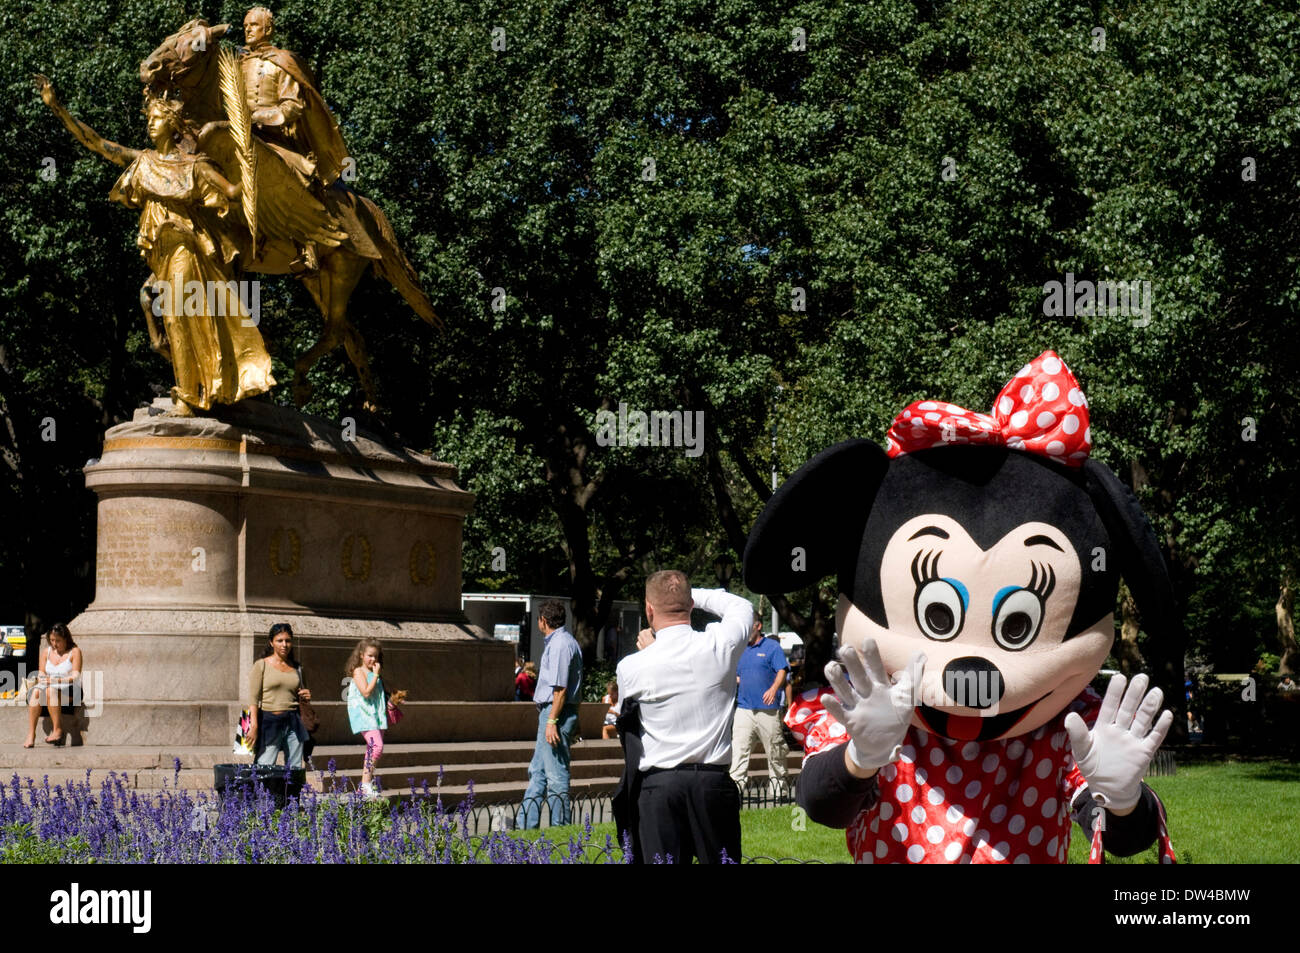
[928,569]
[1042,585]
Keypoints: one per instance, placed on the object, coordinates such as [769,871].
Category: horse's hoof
[179,407]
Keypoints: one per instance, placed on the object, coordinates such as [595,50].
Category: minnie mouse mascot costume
[978,560]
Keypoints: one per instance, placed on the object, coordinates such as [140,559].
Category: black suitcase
[234,779]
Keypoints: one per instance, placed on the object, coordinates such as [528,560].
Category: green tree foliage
[674,204]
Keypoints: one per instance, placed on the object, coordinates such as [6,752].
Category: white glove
[1113,756]
[874,710]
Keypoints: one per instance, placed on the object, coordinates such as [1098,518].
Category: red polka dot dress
[963,802]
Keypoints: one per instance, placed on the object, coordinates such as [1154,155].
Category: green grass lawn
[1226,813]
[1223,813]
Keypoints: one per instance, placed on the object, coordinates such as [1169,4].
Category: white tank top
[62,668]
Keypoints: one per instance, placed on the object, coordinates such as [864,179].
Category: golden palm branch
[241,130]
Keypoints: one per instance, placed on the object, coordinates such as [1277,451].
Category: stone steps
[489,773]
[132,723]
[458,753]
[498,769]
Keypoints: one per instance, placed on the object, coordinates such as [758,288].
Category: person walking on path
[559,689]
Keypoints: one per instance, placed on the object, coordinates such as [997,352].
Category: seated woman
[610,728]
[59,672]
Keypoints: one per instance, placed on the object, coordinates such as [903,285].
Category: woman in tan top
[274,687]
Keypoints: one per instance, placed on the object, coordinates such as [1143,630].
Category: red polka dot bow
[1041,410]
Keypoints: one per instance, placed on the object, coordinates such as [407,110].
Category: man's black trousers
[687,813]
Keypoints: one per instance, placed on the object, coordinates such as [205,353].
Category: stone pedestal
[211,529]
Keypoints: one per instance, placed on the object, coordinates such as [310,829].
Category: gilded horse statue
[282,214]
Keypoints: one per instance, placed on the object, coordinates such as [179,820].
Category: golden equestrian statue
[214,346]
[247,174]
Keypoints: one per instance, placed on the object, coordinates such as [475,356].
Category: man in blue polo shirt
[558,691]
[760,682]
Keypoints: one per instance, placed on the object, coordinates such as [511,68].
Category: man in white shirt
[685,685]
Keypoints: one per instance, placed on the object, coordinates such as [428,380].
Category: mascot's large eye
[940,603]
[1018,612]
[1017,619]
[939,610]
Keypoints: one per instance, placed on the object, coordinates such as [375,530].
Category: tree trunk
[582,578]
[1165,660]
[571,495]
[817,629]
[1126,649]
[16,451]
[1290,663]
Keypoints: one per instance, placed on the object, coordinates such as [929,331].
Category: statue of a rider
[289,114]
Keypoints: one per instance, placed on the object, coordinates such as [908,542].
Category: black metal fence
[481,817]
[481,850]
[596,807]
[758,793]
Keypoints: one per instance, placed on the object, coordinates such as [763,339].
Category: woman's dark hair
[62,632]
[358,653]
[276,629]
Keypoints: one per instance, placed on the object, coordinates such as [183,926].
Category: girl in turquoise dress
[368,706]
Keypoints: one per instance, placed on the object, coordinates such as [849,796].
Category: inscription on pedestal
[148,546]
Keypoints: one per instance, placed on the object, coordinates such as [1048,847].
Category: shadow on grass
[1273,771]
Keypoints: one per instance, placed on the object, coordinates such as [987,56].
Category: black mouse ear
[812,526]
[1136,550]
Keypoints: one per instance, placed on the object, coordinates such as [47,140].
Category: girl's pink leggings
[374,745]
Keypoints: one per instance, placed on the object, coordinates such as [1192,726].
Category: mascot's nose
[973,682]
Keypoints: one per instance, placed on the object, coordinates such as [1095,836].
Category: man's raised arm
[737,613]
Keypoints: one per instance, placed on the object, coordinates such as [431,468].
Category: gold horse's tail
[396,268]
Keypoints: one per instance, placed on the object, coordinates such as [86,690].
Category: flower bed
[74,823]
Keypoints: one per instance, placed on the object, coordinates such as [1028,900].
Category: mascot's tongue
[973,727]
[964,728]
